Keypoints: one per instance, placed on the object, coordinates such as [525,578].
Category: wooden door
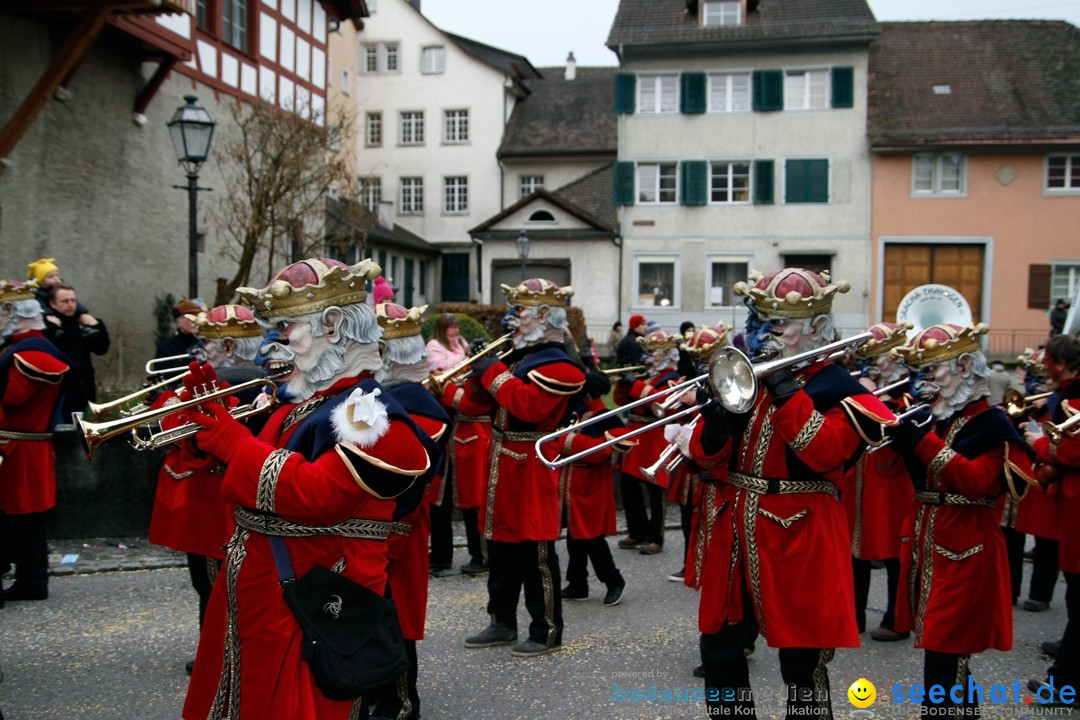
[909,266]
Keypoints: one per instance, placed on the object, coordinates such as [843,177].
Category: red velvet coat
[954,584]
[469,449]
[29,393]
[249,650]
[1037,513]
[649,444]
[1066,459]
[587,487]
[779,541]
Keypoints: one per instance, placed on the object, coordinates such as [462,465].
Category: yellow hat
[310,286]
[538,291]
[791,292]
[397,321]
[41,268]
[227,321]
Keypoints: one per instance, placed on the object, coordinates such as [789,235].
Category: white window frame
[373,128]
[380,58]
[456,126]
[639,259]
[455,195]
[411,200]
[656,182]
[803,98]
[391,57]
[722,13]
[345,82]
[1072,168]
[371,192]
[528,184]
[749,181]
[725,83]
[1064,280]
[654,83]
[729,301]
[411,128]
[433,60]
[937,166]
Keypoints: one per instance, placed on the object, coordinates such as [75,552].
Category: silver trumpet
[669,459]
[910,412]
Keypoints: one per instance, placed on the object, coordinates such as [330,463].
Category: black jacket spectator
[78,336]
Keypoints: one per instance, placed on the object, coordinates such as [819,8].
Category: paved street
[112,646]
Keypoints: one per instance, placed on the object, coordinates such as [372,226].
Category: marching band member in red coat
[645,530]
[31,370]
[534,390]
[324,474]
[877,492]
[1062,458]
[954,585]
[783,460]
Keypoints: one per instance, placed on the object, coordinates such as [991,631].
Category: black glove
[477,345]
[781,384]
[481,366]
[717,428]
[908,434]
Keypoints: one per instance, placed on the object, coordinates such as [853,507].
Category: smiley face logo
[862,693]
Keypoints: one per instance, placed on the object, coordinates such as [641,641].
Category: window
[937,174]
[380,58]
[658,93]
[813,263]
[371,59]
[412,127]
[806,181]
[729,92]
[1064,281]
[432,60]
[656,182]
[655,281]
[456,126]
[806,89]
[345,81]
[234,23]
[371,192]
[456,194]
[729,182]
[1063,172]
[541,216]
[721,13]
[412,196]
[373,129]
[391,57]
[724,272]
[530,184]
[202,16]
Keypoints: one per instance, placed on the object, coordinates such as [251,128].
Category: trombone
[1057,433]
[732,378]
[1016,405]
[166,362]
[107,407]
[636,369]
[437,380]
[92,434]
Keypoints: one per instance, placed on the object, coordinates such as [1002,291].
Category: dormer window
[721,13]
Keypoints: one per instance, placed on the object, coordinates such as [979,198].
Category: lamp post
[192,128]
[523,251]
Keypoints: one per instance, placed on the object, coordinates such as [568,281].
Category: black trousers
[534,566]
[32,554]
[580,552]
[203,571]
[1044,570]
[473,540]
[442,529]
[861,570]
[947,670]
[642,526]
[1066,667]
[686,522]
[399,699]
[727,674]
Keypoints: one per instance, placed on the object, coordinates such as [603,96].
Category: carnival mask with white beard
[660,359]
[886,369]
[949,386]
[777,336]
[527,325]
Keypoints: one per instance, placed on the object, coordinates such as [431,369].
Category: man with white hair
[31,371]
[788,576]
[532,391]
[322,477]
[954,584]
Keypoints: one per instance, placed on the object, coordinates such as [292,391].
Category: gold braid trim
[176,475]
[753,560]
[821,681]
[957,557]
[498,382]
[302,410]
[856,531]
[459,393]
[266,492]
[549,590]
[809,430]
[227,697]
[927,573]
[943,458]
[553,386]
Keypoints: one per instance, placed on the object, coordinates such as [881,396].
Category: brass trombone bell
[1057,433]
[1017,405]
[457,372]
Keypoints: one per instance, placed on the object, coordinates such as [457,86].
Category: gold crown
[791,292]
[1034,361]
[538,291]
[702,343]
[16,291]
[397,321]
[310,286]
[886,337]
[939,343]
[658,340]
[227,321]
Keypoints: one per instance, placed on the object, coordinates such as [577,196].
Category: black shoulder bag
[352,638]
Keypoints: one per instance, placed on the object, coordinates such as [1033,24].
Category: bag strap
[281,559]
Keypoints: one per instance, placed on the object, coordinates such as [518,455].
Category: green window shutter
[695,182]
[763,182]
[768,90]
[843,87]
[806,181]
[624,183]
[693,92]
[625,92]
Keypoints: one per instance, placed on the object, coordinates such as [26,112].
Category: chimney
[571,67]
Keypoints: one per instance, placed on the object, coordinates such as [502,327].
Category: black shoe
[748,650]
[629,543]
[877,565]
[1035,605]
[614,595]
[651,549]
[677,576]
[574,593]
[15,593]
[474,568]
[531,648]
[189,666]
[699,671]
[492,635]
[1051,648]
[884,634]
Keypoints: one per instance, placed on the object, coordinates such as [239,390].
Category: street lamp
[192,128]
[523,251]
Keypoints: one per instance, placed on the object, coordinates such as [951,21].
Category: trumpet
[437,380]
[732,378]
[1057,433]
[107,407]
[636,369]
[669,459]
[910,412]
[1016,405]
[92,434]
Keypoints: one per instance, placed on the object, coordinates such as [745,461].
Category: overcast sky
[546,31]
